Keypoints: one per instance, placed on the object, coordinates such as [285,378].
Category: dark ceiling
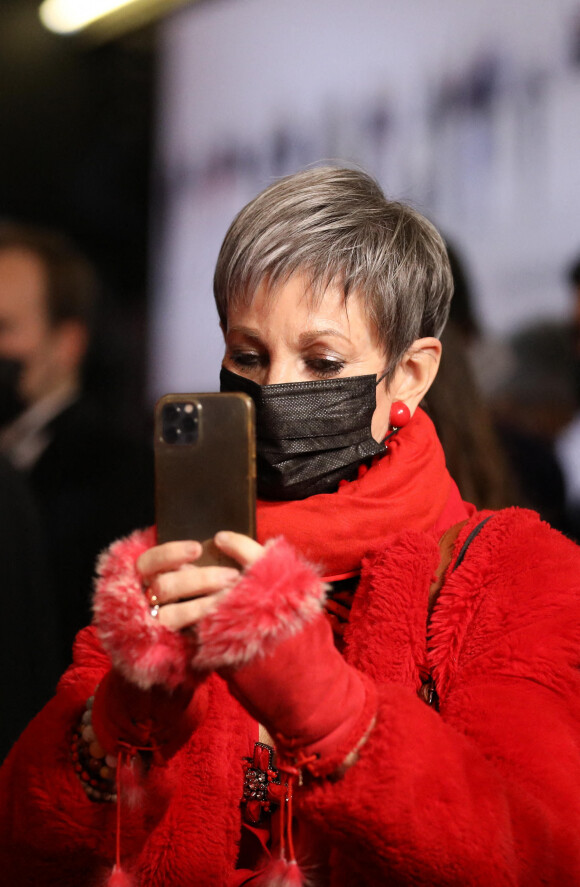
[75,139]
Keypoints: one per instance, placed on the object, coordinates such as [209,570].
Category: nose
[277,378]
[278,372]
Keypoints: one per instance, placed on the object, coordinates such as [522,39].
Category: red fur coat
[484,792]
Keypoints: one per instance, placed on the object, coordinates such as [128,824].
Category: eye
[247,359]
[325,366]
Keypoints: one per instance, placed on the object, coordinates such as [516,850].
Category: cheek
[380,420]
[27,340]
[39,362]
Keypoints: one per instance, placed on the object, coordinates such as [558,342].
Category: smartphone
[205,469]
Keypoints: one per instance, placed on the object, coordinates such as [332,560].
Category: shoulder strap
[475,532]
[427,692]
[446,544]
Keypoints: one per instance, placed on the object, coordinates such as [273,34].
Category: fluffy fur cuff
[274,599]
[143,650]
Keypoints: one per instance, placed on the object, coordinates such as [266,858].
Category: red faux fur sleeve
[143,650]
[273,600]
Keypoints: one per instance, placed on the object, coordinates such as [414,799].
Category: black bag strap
[475,532]
[446,544]
[427,692]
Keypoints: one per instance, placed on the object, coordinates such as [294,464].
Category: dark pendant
[263,789]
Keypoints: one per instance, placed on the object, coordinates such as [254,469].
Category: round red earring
[400,414]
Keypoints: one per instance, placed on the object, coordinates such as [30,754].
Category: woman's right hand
[185,592]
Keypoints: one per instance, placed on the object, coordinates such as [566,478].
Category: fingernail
[222,537]
[230,575]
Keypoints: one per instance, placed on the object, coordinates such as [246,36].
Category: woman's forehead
[294,305]
[296,290]
[299,288]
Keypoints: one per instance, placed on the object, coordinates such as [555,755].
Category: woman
[405,729]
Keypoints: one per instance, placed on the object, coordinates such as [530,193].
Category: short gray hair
[337,227]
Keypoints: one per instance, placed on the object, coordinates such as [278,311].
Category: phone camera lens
[189,428]
[179,423]
[171,435]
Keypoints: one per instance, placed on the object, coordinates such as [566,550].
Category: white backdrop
[469,110]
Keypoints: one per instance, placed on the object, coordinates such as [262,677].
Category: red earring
[400,414]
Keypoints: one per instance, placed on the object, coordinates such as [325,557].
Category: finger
[241,548]
[166,557]
[191,582]
[185,614]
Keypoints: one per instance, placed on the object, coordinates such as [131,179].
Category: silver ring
[154,611]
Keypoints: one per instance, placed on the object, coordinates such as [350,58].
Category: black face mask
[310,435]
[11,403]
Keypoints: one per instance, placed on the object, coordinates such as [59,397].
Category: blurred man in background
[574,282]
[90,483]
[568,442]
[30,659]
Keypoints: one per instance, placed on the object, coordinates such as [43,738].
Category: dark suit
[92,485]
[30,648]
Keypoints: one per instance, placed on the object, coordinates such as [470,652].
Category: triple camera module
[179,423]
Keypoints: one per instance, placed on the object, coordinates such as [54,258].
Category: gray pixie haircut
[337,228]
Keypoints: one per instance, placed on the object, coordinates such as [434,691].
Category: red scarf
[409,488]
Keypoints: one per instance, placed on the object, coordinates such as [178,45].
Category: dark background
[76,122]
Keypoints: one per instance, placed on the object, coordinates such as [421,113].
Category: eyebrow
[310,336]
[245,331]
[304,339]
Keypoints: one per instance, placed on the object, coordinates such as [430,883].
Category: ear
[416,372]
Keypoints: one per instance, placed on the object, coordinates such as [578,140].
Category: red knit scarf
[409,488]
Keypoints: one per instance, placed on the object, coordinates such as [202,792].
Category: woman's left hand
[268,637]
[184,591]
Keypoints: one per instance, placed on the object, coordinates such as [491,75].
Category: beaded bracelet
[94,767]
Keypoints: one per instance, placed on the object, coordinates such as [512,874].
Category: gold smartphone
[205,469]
